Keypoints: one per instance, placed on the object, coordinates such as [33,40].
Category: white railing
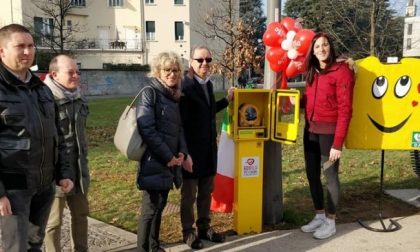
[120,44]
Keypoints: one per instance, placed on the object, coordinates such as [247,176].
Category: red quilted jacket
[329,100]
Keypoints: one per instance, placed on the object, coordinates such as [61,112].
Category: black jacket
[73,114]
[199,121]
[159,123]
[30,153]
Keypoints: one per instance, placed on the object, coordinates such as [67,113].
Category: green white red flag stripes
[222,196]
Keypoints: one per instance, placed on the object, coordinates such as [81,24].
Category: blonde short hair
[162,59]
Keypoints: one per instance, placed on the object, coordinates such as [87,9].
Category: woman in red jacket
[328,108]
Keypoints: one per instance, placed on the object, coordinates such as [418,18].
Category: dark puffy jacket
[29,145]
[73,113]
[159,123]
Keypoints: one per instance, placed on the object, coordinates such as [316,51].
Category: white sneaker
[313,225]
[326,230]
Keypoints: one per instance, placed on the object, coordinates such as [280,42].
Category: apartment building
[411,46]
[119,31]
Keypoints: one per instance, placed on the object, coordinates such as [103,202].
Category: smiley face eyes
[380,86]
[402,86]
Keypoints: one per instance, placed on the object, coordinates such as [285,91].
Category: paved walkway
[102,236]
[349,237]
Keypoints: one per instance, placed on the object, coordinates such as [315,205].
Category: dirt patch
[367,207]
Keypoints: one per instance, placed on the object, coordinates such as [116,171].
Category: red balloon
[295,67]
[274,54]
[276,68]
[274,33]
[290,24]
[280,64]
[302,40]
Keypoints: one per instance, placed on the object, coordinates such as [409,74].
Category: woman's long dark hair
[312,63]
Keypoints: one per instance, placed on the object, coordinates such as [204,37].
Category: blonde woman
[159,123]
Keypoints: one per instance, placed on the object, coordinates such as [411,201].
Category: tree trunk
[373,15]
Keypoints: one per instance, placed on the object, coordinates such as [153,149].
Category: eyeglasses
[169,71]
[208,60]
[71,73]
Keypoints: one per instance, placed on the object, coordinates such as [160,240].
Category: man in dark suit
[198,111]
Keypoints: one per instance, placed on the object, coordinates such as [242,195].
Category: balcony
[102,44]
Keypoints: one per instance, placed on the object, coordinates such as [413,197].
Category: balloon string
[278,81]
[283,80]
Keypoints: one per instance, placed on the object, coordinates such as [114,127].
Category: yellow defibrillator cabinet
[257,115]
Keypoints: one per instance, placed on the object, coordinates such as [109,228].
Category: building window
[244,6]
[410,3]
[115,3]
[179,2]
[410,29]
[69,25]
[149,1]
[78,2]
[408,43]
[150,30]
[44,30]
[179,31]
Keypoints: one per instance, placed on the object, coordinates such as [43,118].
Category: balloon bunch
[288,44]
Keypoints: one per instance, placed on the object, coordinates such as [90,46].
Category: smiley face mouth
[389,129]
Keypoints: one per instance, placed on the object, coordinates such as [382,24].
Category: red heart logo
[250,161]
[414,103]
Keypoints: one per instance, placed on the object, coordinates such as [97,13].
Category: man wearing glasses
[64,81]
[198,111]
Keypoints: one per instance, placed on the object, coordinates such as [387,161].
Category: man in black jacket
[64,81]
[29,149]
[198,111]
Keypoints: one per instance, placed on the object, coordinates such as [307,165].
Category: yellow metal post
[247,205]
[249,154]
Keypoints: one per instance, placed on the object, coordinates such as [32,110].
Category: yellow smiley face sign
[386,106]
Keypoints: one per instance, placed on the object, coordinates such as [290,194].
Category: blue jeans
[17,234]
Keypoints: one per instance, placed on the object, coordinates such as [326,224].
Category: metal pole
[11,9]
[143,35]
[272,179]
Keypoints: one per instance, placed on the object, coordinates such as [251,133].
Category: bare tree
[358,27]
[237,51]
[55,30]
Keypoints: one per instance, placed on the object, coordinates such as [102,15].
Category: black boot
[211,235]
[193,241]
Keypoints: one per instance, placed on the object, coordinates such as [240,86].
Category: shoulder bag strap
[138,94]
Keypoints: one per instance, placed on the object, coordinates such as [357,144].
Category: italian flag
[222,196]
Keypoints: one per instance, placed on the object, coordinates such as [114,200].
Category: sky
[398,5]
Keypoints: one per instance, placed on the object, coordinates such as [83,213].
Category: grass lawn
[115,199]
